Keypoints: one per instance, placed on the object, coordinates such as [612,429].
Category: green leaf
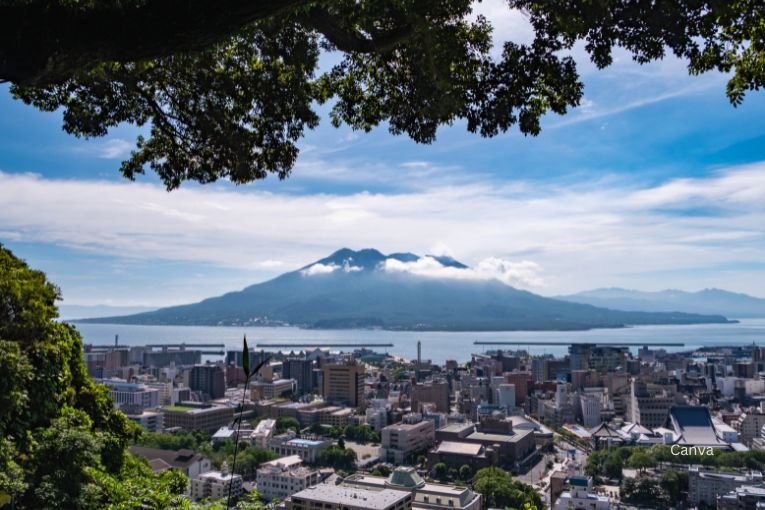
[246,358]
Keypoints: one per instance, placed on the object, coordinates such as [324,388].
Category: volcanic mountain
[400,291]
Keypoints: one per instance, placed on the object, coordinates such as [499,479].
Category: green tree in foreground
[228,88]
[62,442]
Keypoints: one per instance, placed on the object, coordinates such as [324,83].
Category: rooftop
[459,448]
[179,459]
[353,496]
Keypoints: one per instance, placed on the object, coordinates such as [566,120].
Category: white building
[581,496]
[131,394]
[377,414]
[263,432]
[215,485]
[506,396]
[592,405]
[284,477]
[401,440]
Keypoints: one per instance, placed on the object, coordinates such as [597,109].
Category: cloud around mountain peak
[514,273]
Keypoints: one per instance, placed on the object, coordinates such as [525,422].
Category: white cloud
[113,148]
[315,269]
[517,274]
[610,232]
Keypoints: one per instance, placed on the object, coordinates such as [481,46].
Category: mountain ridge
[730,304]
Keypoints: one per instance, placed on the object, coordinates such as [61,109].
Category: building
[748,426]
[194,417]
[746,497]
[265,390]
[343,384]
[582,496]
[284,477]
[512,447]
[340,497]
[591,405]
[377,415]
[456,454]
[401,440]
[522,383]
[263,432]
[301,370]
[216,485]
[706,486]
[210,380]
[649,406]
[152,421]
[425,495]
[693,426]
[506,396]
[190,463]
[435,392]
[127,394]
[287,445]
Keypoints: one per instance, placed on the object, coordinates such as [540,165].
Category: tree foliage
[227,89]
[499,490]
[62,442]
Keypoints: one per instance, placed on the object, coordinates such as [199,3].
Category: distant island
[367,289]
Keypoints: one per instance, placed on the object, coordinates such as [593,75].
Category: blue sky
[656,181]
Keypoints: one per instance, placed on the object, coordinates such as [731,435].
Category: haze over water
[436,346]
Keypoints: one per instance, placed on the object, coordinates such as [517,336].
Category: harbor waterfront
[436,346]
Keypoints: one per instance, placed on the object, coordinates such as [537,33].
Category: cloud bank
[692,232]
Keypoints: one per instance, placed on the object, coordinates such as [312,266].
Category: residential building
[263,432]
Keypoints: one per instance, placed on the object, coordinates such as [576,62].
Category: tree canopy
[229,87]
[62,441]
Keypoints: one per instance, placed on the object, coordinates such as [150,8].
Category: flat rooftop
[353,496]
[459,448]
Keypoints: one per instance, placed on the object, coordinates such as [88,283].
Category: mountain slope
[399,291]
[706,301]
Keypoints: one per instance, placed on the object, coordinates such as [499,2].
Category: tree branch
[351,40]
[46,42]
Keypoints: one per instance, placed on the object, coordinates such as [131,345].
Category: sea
[436,346]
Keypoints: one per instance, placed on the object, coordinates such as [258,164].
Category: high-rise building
[343,383]
[208,379]
[301,370]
